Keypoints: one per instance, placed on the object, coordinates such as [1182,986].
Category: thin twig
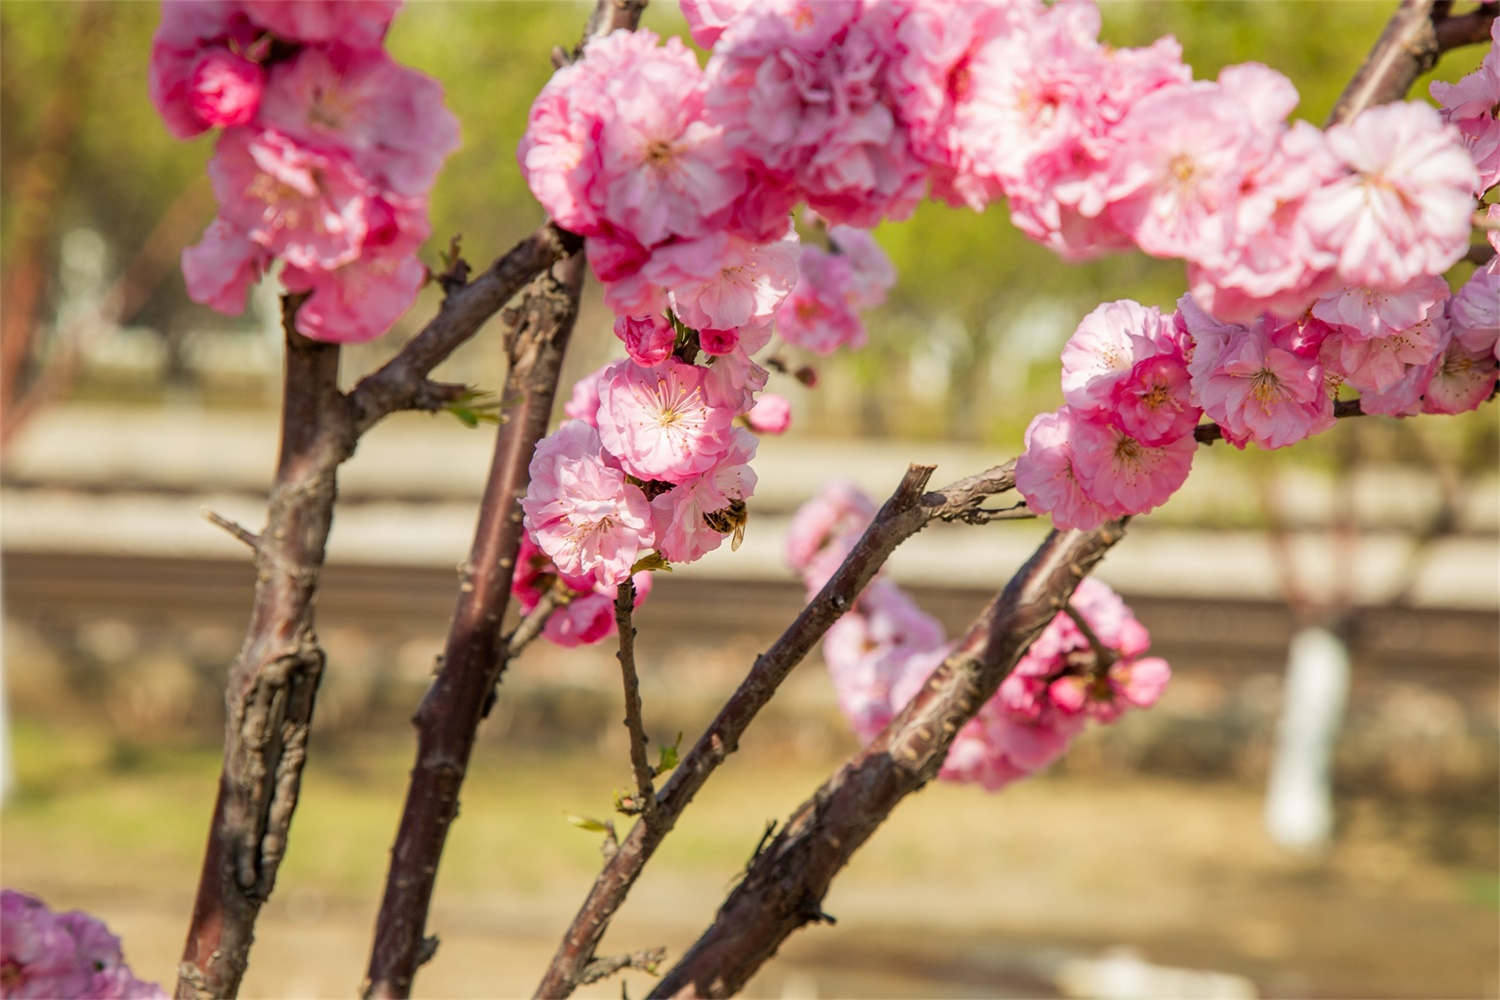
[236,530]
[645,792]
[647,960]
[1104,657]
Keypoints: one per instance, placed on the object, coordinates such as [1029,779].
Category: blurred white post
[1299,801]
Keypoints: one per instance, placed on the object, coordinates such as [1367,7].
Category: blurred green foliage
[966,347]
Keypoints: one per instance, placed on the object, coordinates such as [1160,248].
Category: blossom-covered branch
[785,883]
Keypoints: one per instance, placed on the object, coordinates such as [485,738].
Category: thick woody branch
[1416,35]
[449,715]
[907,511]
[272,684]
[783,887]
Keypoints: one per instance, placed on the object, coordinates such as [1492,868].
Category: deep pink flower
[1375,364]
[1371,313]
[190,32]
[1403,208]
[358,23]
[45,955]
[660,422]
[1122,474]
[225,88]
[220,268]
[647,339]
[1106,347]
[1154,403]
[580,510]
[388,118]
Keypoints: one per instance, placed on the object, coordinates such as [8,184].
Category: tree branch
[1416,35]
[645,793]
[783,887]
[907,511]
[449,715]
[271,687]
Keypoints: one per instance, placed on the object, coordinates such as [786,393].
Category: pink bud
[226,88]
[718,342]
[771,414]
[648,339]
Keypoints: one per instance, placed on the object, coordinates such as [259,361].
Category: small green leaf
[465,416]
[589,823]
[669,756]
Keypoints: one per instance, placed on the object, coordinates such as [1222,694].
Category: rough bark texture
[449,715]
[784,886]
[272,685]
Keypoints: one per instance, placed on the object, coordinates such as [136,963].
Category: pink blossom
[580,510]
[190,32]
[1047,474]
[356,302]
[732,381]
[357,23]
[1474,313]
[771,414]
[1272,263]
[838,509]
[225,88]
[1154,403]
[558,154]
[871,271]
[819,315]
[660,422]
[388,118]
[722,282]
[310,209]
[1375,364]
[803,99]
[1256,390]
[587,615]
[1403,208]
[1460,380]
[648,339]
[584,403]
[683,515]
[1368,313]
[1122,474]
[1181,156]
[707,19]
[1140,682]
[1106,347]
[45,955]
[868,651]
[1470,105]
[220,268]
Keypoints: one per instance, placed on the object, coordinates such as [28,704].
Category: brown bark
[270,691]
[449,716]
[783,887]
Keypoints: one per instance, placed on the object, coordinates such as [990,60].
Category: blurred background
[1143,864]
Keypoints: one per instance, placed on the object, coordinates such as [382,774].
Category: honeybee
[729,521]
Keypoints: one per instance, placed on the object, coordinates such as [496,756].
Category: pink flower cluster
[45,955]
[1135,384]
[328,152]
[882,651]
